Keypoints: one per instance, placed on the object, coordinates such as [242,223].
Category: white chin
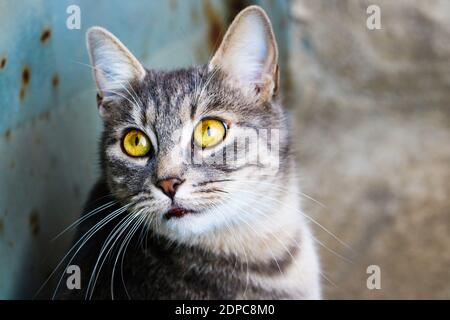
[191,225]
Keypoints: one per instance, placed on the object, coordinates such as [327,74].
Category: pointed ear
[249,54]
[114,67]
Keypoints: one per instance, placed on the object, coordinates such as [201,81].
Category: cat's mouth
[177,212]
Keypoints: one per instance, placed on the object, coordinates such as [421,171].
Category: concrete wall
[372,110]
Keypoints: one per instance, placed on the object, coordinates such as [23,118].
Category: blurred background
[370,108]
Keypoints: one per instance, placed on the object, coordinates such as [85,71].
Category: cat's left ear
[249,54]
[114,66]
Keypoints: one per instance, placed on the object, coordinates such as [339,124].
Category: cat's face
[193,150]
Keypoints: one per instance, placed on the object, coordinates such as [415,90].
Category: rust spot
[11,244]
[8,134]
[34,223]
[22,93]
[2,226]
[214,25]
[25,75]
[45,35]
[12,165]
[3,63]
[55,80]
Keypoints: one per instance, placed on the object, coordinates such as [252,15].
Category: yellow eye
[136,143]
[209,132]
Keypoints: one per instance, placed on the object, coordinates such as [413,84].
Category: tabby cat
[180,211]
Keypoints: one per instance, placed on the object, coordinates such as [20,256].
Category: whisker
[125,242]
[303,214]
[319,242]
[287,250]
[113,236]
[112,89]
[84,217]
[280,188]
[84,240]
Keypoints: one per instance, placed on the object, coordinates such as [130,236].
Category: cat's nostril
[169,186]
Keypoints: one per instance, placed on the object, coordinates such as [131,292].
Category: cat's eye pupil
[209,132]
[136,144]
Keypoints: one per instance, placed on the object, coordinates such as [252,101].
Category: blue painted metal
[48,119]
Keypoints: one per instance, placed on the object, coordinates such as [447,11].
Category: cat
[161,226]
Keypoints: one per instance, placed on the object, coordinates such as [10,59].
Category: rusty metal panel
[48,120]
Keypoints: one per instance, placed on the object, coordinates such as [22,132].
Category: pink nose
[169,186]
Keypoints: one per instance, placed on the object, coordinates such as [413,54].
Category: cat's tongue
[176,212]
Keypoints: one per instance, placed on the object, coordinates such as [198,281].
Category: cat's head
[193,150]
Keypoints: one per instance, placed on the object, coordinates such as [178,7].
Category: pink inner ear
[115,67]
[246,55]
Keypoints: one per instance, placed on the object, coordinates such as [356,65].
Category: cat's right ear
[114,66]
